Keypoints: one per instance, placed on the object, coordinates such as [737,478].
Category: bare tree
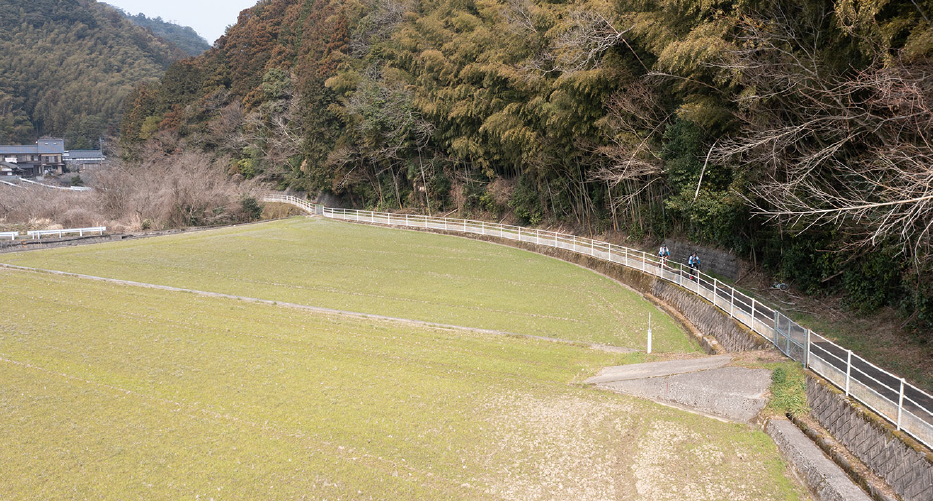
[851,150]
[630,166]
[580,45]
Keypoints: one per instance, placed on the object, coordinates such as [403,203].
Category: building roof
[51,145]
[44,146]
[84,155]
[18,150]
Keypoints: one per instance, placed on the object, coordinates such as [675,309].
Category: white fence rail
[907,407]
[38,234]
[9,234]
[297,202]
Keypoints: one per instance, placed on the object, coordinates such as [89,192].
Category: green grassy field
[121,392]
[406,274]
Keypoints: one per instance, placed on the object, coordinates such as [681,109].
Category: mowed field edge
[113,392]
[396,273]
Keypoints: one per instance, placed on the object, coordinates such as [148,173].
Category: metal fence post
[592,247]
[732,304]
[900,405]
[609,250]
[848,370]
[753,315]
[715,288]
[482,227]
[406,220]
[464,225]
[626,255]
[537,236]
[519,233]
[806,358]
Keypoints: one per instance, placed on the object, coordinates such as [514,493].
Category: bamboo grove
[795,132]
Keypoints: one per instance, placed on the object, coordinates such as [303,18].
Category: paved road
[886,385]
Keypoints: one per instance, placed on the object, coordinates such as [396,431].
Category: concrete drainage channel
[710,387]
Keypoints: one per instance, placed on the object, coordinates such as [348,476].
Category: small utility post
[649,332]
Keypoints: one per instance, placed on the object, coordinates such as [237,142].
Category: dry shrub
[186,189]
[37,208]
[501,190]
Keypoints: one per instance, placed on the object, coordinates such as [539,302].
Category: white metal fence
[297,202]
[38,234]
[907,407]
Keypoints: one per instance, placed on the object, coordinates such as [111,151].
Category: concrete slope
[657,369]
[732,393]
[827,480]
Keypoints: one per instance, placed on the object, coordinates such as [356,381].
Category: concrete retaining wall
[826,480]
[51,242]
[712,260]
[908,470]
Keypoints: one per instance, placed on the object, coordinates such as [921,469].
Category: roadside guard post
[649,332]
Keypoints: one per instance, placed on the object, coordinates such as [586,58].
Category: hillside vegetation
[648,118]
[184,37]
[66,67]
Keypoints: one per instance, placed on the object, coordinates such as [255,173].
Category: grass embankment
[119,392]
[414,275]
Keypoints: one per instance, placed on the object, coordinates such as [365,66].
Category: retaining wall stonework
[874,442]
[50,242]
[712,260]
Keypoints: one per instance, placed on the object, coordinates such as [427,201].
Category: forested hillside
[184,37]
[658,118]
[66,67]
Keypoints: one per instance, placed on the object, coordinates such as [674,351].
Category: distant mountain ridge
[184,37]
[68,65]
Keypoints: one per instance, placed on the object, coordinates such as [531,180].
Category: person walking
[663,255]
[694,263]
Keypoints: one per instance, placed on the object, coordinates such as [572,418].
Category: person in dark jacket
[694,263]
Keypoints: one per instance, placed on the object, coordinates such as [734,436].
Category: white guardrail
[907,407]
[298,202]
[38,234]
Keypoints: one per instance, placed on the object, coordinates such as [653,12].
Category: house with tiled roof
[47,155]
[76,160]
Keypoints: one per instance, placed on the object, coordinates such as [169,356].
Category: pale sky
[208,17]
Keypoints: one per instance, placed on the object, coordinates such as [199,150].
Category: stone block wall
[712,260]
[51,242]
[908,470]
